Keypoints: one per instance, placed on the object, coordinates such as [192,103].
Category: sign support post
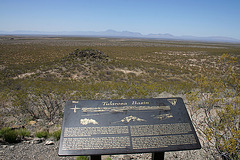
[95,157]
[158,156]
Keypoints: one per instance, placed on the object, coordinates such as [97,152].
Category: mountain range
[123,34]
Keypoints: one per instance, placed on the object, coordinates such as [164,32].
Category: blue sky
[177,17]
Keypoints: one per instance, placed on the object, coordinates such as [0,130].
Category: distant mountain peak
[166,35]
[111,32]
[126,34]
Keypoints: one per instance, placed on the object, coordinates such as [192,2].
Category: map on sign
[96,127]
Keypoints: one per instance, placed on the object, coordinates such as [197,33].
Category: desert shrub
[42,134]
[9,135]
[23,132]
[216,104]
[41,101]
[56,135]
[4,130]
[13,135]
[82,158]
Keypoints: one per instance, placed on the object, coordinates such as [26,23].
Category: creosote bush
[40,102]
[217,100]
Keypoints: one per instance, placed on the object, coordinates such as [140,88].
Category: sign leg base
[158,156]
[95,157]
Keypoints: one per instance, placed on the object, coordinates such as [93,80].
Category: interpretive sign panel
[98,127]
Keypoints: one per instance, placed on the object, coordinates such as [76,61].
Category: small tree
[41,104]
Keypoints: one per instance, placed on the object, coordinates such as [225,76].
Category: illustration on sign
[75,109]
[173,101]
[130,118]
[86,121]
[164,112]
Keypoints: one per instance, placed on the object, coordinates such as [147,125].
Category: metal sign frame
[123,126]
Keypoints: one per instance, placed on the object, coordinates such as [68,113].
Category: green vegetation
[23,132]
[218,100]
[16,135]
[82,158]
[42,134]
[9,135]
[38,75]
[13,135]
[56,135]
